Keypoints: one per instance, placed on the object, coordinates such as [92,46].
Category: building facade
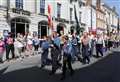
[21,16]
[111,18]
[100,18]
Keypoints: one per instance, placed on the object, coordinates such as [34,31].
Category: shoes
[72,73]
[42,66]
[62,78]
[1,62]
[51,73]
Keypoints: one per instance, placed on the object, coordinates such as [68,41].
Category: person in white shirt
[92,41]
[19,45]
[29,45]
[99,45]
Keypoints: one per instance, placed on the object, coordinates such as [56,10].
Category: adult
[19,44]
[2,48]
[67,49]
[10,46]
[85,48]
[36,43]
[45,50]
[99,45]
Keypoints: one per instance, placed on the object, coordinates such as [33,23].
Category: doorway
[20,28]
[42,29]
[19,25]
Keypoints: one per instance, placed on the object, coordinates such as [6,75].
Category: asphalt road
[105,70]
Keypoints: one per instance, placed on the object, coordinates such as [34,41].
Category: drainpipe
[7,11]
[91,12]
[35,6]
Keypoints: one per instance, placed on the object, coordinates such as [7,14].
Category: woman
[10,46]
[20,45]
[36,44]
[2,49]
[29,45]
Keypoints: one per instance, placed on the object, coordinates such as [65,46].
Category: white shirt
[18,44]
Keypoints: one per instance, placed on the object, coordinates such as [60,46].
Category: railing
[61,20]
[72,22]
[21,11]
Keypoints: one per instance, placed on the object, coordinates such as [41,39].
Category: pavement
[29,70]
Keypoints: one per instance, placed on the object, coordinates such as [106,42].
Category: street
[28,70]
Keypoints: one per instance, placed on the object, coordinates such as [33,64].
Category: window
[71,10]
[58,10]
[71,1]
[42,6]
[80,13]
[19,4]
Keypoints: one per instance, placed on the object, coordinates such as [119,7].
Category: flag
[50,22]
[49,9]
[77,22]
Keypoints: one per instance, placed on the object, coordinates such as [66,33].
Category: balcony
[21,11]
[72,22]
[43,14]
[61,20]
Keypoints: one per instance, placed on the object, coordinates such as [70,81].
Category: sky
[112,3]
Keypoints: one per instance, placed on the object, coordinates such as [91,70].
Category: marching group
[66,48]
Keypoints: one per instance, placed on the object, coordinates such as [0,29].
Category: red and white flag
[50,22]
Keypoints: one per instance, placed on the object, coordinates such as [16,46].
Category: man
[85,48]
[67,48]
[45,48]
[99,45]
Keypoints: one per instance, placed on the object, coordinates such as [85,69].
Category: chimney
[98,4]
[114,8]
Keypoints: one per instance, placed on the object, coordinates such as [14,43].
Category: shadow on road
[106,70]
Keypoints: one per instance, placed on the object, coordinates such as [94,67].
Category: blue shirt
[74,41]
[57,41]
[36,41]
[45,45]
[67,48]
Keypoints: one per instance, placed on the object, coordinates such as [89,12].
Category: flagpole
[91,14]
